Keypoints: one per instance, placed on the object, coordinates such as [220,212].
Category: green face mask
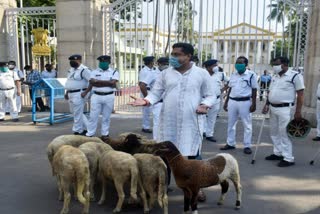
[241,68]
[104,65]
[4,69]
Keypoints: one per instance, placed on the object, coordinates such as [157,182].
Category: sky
[220,14]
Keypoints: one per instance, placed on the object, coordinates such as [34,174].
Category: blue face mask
[174,62]
[4,69]
[241,68]
[104,65]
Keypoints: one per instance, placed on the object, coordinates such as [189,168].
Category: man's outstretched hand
[138,101]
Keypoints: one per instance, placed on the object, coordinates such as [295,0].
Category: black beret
[163,60]
[104,57]
[210,62]
[75,57]
[3,64]
[12,63]
[148,59]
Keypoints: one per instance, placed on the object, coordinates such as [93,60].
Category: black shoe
[316,138]
[247,151]
[204,134]
[76,133]
[146,131]
[84,132]
[15,120]
[212,139]
[274,157]
[42,110]
[169,190]
[284,163]
[227,147]
[1,119]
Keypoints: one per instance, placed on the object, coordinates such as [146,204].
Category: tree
[184,21]
[37,3]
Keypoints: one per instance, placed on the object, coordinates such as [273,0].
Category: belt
[318,98]
[160,101]
[102,93]
[77,90]
[218,97]
[282,105]
[6,89]
[240,98]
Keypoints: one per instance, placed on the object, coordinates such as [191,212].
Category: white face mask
[11,67]
[215,69]
[277,69]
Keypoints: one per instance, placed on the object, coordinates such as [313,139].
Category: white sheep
[153,175]
[71,166]
[72,140]
[93,151]
[120,167]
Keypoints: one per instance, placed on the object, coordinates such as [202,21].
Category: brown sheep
[71,166]
[153,174]
[191,175]
[93,152]
[120,167]
[72,140]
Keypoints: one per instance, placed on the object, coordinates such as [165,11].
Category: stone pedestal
[79,31]
[4,46]
[312,64]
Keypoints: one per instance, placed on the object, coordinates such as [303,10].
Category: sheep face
[166,149]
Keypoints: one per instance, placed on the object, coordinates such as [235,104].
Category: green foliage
[37,3]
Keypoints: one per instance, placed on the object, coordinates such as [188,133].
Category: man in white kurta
[181,87]
[317,138]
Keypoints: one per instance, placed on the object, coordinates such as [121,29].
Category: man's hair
[27,67]
[246,61]
[220,69]
[12,62]
[186,47]
[284,60]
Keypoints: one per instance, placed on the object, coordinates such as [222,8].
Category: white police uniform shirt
[78,78]
[318,91]
[242,85]
[107,75]
[7,79]
[46,74]
[223,78]
[217,83]
[318,111]
[146,76]
[283,88]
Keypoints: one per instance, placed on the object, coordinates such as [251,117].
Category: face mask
[104,65]
[11,67]
[4,69]
[163,67]
[241,68]
[174,62]
[74,64]
[215,69]
[277,69]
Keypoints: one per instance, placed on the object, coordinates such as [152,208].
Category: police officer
[9,80]
[317,138]
[241,102]
[77,82]
[217,82]
[145,75]
[285,85]
[12,67]
[103,84]
[49,72]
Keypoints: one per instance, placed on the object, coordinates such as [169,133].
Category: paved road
[27,186]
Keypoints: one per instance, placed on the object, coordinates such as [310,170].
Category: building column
[312,65]
[214,50]
[258,52]
[247,48]
[225,52]
[237,49]
[4,37]
[79,31]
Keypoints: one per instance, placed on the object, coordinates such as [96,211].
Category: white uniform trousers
[146,111]
[279,120]
[100,104]
[156,109]
[240,109]
[76,104]
[318,118]
[8,96]
[211,118]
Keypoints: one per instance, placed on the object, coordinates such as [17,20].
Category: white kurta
[181,94]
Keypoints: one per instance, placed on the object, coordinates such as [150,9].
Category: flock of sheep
[79,161]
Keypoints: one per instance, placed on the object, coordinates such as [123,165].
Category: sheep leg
[86,194]
[237,185]
[103,193]
[121,195]
[60,188]
[224,189]
[143,197]
[165,203]
[66,196]
[92,182]
[152,196]
[186,200]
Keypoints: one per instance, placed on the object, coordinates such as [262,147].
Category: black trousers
[39,101]
[263,87]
